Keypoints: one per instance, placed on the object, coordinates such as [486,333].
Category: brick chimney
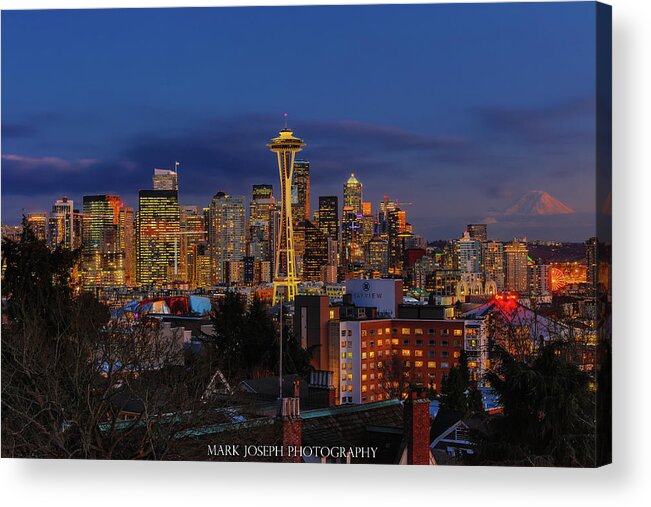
[321,391]
[417,428]
[289,413]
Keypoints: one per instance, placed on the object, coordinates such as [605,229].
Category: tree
[229,323]
[453,395]
[78,385]
[548,412]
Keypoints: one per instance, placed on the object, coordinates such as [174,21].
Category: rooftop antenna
[176,166]
[285,116]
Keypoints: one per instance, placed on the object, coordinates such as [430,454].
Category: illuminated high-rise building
[38,223]
[396,235]
[102,259]
[378,255]
[226,235]
[493,261]
[192,234]
[469,254]
[285,146]
[165,179]
[261,213]
[478,232]
[61,231]
[127,242]
[386,206]
[368,224]
[516,257]
[158,228]
[301,191]
[316,252]
[328,221]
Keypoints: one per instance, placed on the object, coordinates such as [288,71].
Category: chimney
[321,391]
[289,414]
[417,428]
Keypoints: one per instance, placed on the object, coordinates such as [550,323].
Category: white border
[627,482]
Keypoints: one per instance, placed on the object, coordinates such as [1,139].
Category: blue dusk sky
[458,109]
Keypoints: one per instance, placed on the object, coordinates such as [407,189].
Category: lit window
[343,343]
[350,388]
[343,355]
[418,331]
[387,330]
[363,332]
[457,354]
[372,366]
[364,377]
[363,355]
[394,341]
[363,389]
[349,355]
[379,331]
[363,366]
[379,343]
[379,364]
[406,352]
[332,314]
[406,330]
[350,366]
[363,344]
[418,353]
[419,364]
[458,332]
[431,364]
[350,376]
[343,366]
[444,365]
[372,376]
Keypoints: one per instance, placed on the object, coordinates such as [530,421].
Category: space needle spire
[285,146]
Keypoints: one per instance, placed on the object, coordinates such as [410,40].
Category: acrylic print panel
[326,234]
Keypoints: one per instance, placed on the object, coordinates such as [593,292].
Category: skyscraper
[102,260]
[329,216]
[165,179]
[61,231]
[316,252]
[351,223]
[127,242]
[396,231]
[478,232]
[516,256]
[193,233]
[38,224]
[158,228]
[493,257]
[226,233]
[378,255]
[261,211]
[285,146]
[469,253]
[301,191]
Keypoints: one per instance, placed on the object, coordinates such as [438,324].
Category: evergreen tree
[454,391]
[548,412]
[229,323]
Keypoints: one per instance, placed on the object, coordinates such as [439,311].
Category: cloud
[13,130]
[560,122]
[24,163]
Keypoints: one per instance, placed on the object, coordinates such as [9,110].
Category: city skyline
[461,148]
